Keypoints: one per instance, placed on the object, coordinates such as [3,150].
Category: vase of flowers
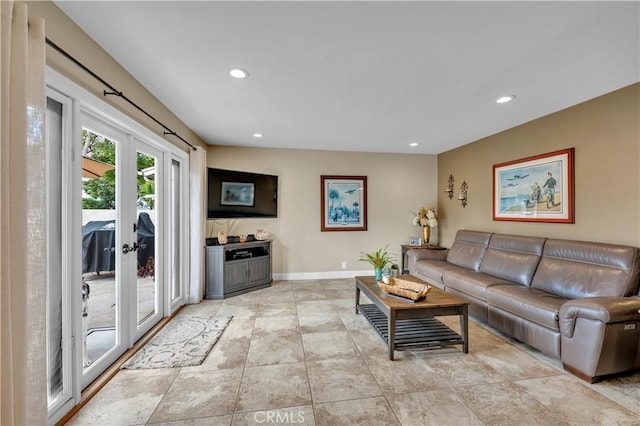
[426,235]
[426,217]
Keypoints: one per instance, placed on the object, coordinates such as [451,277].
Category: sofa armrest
[605,309]
[419,254]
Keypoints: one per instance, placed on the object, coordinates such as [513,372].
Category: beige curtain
[22,218]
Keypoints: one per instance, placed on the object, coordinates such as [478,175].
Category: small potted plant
[395,270]
[378,259]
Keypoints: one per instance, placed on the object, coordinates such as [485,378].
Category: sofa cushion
[512,257]
[434,269]
[470,282]
[468,249]
[577,269]
[529,303]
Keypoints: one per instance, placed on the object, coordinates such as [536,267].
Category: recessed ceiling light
[414,144]
[238,73]
[258,135]
[505,99]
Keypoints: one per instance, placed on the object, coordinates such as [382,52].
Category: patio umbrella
[93,168]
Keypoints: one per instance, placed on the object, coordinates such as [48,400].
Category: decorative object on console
[343,203]
[426,217]
[261,234]
[462,196]
[415,241]
[242,237]
[378,259]
[222,237]
[535,189]
[426,235]
[449,188]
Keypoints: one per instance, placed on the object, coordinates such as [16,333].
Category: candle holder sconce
[462,196]
[449,187]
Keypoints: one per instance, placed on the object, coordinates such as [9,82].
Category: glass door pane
[147,284]
[99,249]
[56,350]
[176,194]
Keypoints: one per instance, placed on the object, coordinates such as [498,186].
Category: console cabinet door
[236,275]
[260,270]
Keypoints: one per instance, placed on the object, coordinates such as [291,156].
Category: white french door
[105,270]
[122,240]
[118,248]
[149,209]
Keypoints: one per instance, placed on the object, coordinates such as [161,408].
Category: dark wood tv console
[237,268]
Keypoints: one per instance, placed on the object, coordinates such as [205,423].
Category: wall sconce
[449,188]
[462,196]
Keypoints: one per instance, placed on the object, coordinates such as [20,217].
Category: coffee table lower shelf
[411,333]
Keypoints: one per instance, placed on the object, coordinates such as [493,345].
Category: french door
[122,219]
[117,246]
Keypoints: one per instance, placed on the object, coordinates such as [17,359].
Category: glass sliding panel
[55,302]
[99,213]
[146,235]
[175,230]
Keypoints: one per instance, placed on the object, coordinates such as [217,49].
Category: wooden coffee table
[404,324]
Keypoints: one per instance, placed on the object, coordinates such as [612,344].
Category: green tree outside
[100,193]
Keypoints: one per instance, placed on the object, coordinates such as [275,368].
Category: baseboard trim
[287,276]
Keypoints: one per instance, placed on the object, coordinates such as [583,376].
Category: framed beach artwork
[343,203]
[535,189]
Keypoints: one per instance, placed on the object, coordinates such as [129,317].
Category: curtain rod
[114,91]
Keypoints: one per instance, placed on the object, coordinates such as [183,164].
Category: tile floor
[296,353]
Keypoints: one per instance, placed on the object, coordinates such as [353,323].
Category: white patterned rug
[185,341]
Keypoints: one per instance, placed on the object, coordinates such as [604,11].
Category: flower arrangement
[426,216]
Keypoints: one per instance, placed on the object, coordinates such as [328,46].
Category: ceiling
[366,76]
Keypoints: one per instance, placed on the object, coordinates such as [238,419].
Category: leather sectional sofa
[573,300]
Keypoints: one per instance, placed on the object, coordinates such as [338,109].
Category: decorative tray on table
[405,288]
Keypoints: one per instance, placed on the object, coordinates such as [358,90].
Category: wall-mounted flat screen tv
[235,194]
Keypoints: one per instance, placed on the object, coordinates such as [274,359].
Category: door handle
[126,248]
